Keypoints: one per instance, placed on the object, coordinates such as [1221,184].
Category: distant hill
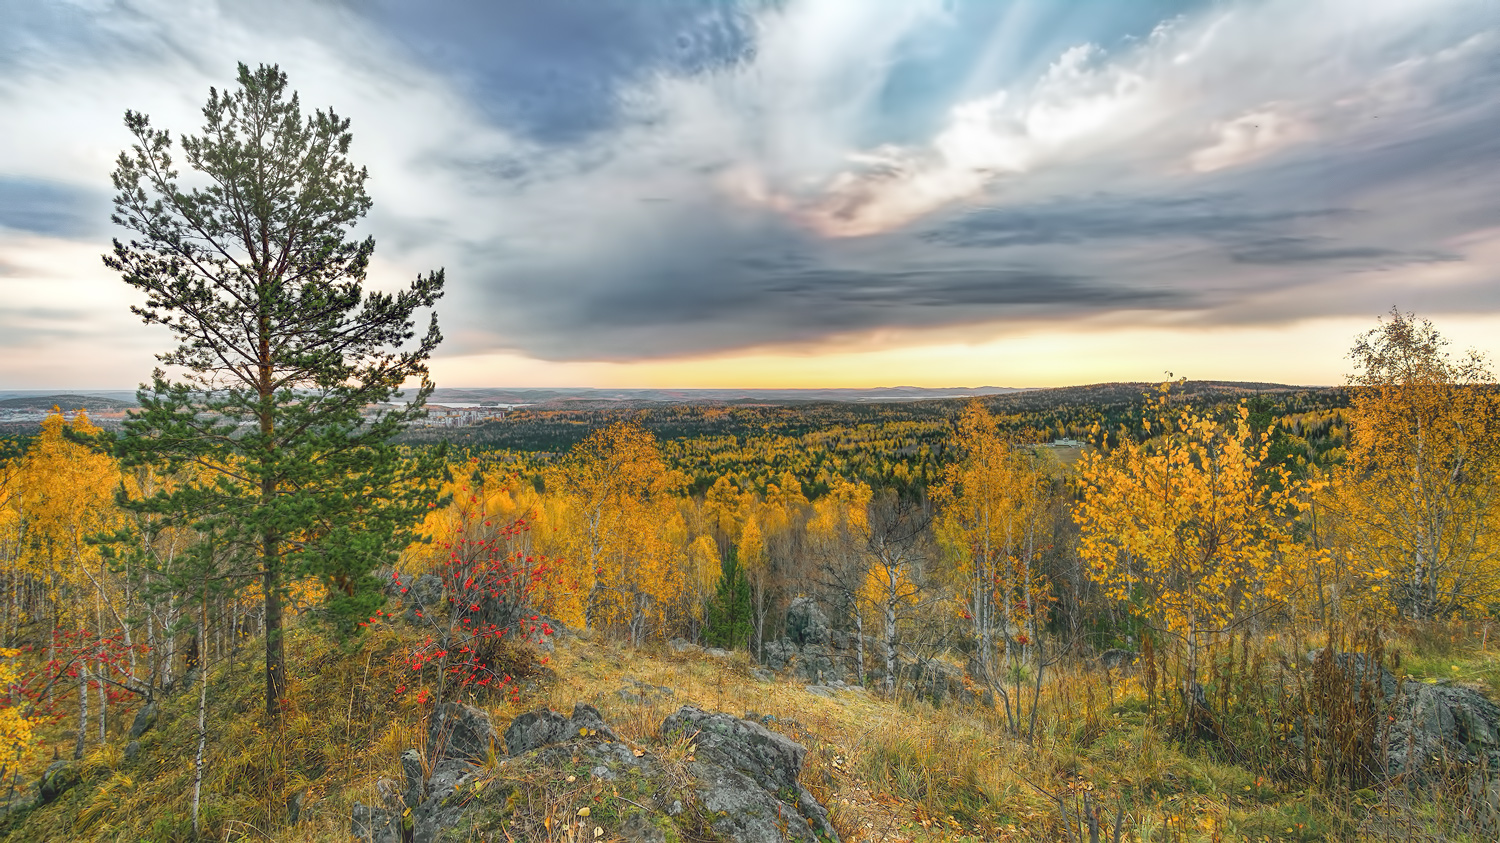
[575,397]
[1105,395]
[67,401]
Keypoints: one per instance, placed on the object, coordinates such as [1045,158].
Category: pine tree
[729,616]
[280,349]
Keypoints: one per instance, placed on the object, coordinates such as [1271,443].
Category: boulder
[372,824]
[682,645]
[59,778]
[941,683]
[1443,727]
[144,719]
[424,593]
[412,781]
[805,623]
[544,727]
[1118,659]
[460,732]
[742,782]
[1438,730]
[780,654]
[747,779]
[637,692]
[816,663]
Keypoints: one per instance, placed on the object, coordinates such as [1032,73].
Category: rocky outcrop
[1119,660]
[943,684]
[144,719]
[59,778]
[1437,730]
[811,649]
[748,779]
[739,780]
[420,594]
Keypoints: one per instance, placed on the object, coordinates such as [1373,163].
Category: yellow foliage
[1416,507]
[992,503]
[59,496]
[15,728]
[625,537]
[1192,526]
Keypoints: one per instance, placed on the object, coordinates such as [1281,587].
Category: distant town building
[440,416]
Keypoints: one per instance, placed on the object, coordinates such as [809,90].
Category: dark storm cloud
[1291,250]
[556,71]
[720,281]
[1092,218]
[51,208]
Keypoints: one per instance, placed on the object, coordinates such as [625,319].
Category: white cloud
[1248,138]
[1247,80]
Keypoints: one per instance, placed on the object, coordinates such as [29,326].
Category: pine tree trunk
[275,654]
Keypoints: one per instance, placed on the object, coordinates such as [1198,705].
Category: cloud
[1112,217]
[561,71]
[1250,137]
[1197,94]
[626,181]
[46,207]
[1288,250]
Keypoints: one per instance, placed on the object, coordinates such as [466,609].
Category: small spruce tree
[729,622]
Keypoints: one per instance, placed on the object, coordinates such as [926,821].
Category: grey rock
[744,778]
[411,778]
[544,727]
[742,768]
[941,683]
[440,809]
[374,825]
[637,692]
[780,654]
[682,645]
[144,719]
[132,750]
[294,806]
[717,653]
[1437,730]
[59,778]
[535,729]
[1439,726]
[806,623]
[638,829]
[1358,669]
[458,731]
[816,663]
[390,793]
[423,594]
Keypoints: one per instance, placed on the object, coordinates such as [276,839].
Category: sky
[801,193]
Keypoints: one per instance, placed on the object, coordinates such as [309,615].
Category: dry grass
[888,770]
